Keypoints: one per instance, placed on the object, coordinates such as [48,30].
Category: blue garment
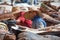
[38,20]
[24,1]
[35,1]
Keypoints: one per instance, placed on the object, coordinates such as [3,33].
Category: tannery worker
[36,17]
[24,22]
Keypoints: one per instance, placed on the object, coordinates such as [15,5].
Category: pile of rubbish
[34,24]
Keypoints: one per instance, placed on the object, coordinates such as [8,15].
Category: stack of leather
[47,3]
[51,13]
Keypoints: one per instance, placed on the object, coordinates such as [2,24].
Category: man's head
[32,13]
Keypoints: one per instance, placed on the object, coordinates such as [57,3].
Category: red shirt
[23,21]
[28,23]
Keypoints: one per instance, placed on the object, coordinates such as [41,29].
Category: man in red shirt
[24,22]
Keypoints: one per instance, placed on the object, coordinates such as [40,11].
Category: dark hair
[38,13]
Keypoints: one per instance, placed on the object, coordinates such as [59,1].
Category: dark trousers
[9,23]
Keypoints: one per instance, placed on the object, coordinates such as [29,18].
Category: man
[23,21]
